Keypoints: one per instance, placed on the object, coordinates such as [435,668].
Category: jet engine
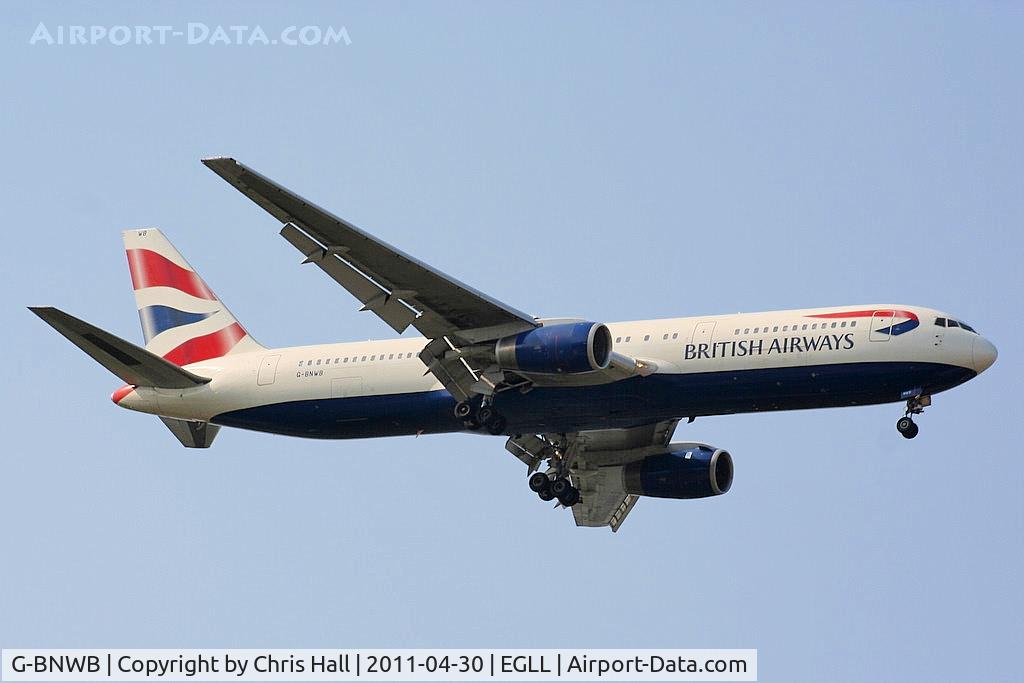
[562,348]
[686,470]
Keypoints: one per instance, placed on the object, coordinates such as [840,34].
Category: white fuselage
[703,347]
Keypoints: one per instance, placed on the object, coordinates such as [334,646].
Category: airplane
[589,407]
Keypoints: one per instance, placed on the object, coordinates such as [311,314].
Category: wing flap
[603,501]
[134,365]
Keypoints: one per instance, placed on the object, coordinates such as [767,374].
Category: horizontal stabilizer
[132,364]
[192,433]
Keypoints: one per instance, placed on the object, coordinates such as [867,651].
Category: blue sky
[613,161]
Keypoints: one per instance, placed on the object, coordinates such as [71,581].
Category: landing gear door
[881,325]
[268,370]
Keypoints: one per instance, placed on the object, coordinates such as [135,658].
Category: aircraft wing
[596,458]
[400,289]
[595,471]
[383,278]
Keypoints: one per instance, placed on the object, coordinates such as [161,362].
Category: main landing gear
[485,416]
[549,489]
[915,406]
[560,454]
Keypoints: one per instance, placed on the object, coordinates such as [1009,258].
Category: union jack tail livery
[183,321]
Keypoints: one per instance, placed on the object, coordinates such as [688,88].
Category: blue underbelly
[622,404]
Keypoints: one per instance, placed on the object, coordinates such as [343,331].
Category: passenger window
[736,332]
[627,338]
[318,361]
[300,363]
[804,327]
[647,337]
[814,326]
[391,357]
[843,324]
[785,328]
[853,323]
[775,329]
[746,330]
[363,359]
[309,362]
[666,336]
[675,335]
[833,326]
[618,340]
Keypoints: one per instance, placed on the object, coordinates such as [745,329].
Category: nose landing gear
[907,427]
[915,406]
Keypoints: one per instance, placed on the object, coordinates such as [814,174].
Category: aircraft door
[881,324]
[703,332]
[268,370]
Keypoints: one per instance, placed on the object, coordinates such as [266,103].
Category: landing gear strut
[915,406]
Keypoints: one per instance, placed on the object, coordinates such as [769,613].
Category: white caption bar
[379,665]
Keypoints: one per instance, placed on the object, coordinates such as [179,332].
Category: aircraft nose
[984,354]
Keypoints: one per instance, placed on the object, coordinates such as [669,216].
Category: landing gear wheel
[538,482]
[907,427]
[570,497]
[546,495]
[559,487]
[496,425]
[463,409]
[491,420]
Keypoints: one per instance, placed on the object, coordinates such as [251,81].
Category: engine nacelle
[557,349]
[687,470]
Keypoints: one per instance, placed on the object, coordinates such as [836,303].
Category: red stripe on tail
[213,345]
[150,269]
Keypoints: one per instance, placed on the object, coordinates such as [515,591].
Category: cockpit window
[949,322]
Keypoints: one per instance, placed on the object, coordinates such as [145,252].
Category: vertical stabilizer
[183,321]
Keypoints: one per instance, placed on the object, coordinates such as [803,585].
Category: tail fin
[182,319]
